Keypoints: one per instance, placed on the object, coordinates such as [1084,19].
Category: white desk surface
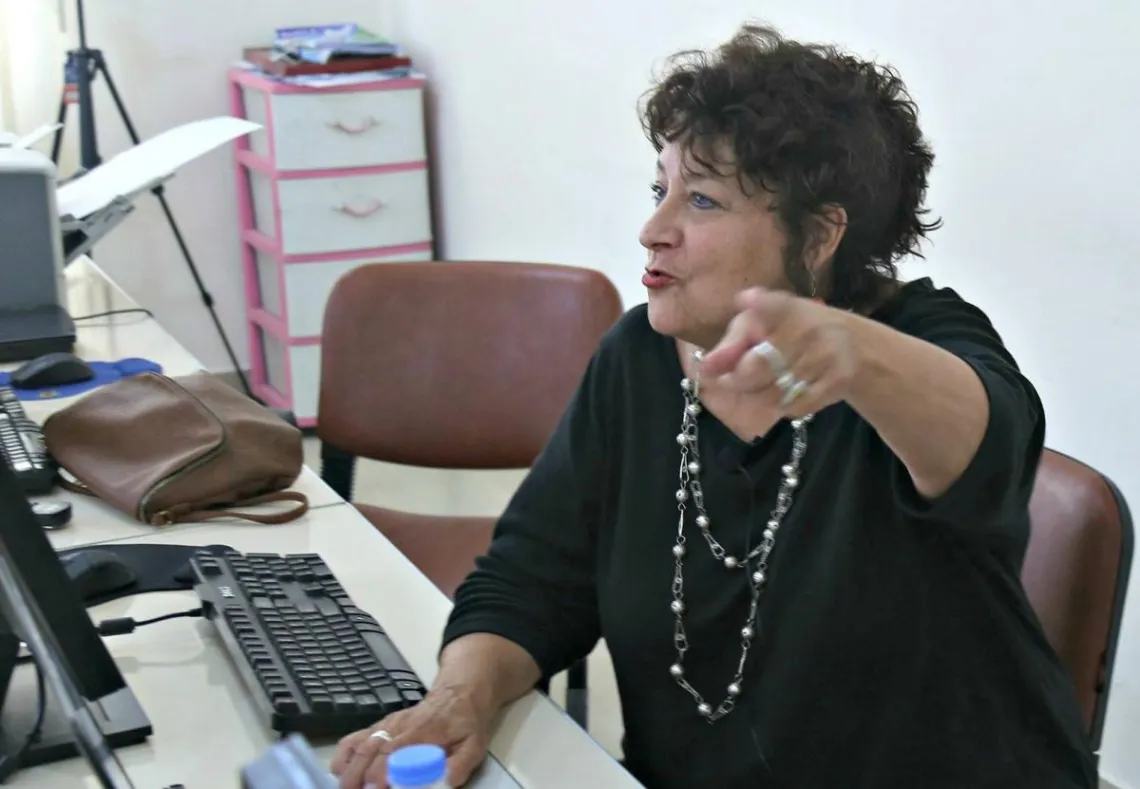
[205,726]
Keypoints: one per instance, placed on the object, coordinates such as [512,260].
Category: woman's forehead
[696,159]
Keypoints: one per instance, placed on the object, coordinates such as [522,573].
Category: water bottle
[417,767]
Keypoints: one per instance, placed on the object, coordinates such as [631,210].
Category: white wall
[1032,108]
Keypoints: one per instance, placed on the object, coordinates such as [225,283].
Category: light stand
[83,66]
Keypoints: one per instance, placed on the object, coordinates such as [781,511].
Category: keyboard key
[345,702]
[390,697]
[287,706]
[368,703]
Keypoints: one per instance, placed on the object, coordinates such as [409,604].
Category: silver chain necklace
[690,489]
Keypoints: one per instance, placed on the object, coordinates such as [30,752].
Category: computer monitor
[29,619]
[66,628]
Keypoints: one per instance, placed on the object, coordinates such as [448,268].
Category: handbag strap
[75,486]
[184,513]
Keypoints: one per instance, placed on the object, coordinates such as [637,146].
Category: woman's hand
[446,717]
[795,353]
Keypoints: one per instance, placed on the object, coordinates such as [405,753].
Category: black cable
[109,313]
[120,626]
[123,625]
[10,762]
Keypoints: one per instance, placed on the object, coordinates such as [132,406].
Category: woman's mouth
[655,278]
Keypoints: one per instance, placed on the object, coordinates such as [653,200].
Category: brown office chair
[462,365]
[1076,574]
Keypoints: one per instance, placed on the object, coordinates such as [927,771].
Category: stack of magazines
[329,56]
[324,43]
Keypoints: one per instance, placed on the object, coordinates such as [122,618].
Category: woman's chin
[663,318]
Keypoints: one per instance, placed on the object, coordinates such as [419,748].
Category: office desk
[205,725]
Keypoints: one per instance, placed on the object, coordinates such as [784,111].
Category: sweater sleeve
[993,492]
[536,584]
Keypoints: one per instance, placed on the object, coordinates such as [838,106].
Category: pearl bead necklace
[690,490]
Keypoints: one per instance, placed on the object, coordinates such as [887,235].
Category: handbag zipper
[163,517]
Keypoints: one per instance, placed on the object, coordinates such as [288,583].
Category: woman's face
[707,241]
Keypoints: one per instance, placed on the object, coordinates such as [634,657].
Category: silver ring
[380,734]
[793,392]
[771,355]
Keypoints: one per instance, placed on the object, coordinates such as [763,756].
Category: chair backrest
[457,364]
[1076,573]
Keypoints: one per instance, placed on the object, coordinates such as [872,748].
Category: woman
[791,492]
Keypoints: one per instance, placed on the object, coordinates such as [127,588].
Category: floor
[437,492]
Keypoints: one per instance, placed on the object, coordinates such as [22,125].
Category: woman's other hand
[446,717]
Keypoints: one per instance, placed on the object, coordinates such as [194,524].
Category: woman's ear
[831,224]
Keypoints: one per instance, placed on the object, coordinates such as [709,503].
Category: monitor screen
[26,548]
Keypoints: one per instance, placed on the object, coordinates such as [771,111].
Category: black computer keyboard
[314,662]
[22,446]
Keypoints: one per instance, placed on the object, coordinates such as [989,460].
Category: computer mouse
[96,573]
[53,369]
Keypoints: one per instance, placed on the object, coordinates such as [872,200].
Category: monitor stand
[118,714]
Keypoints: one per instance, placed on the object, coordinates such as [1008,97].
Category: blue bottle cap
[417,765]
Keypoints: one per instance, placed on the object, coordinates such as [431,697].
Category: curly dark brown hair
[816,127]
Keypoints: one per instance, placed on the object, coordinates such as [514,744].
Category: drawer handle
[368,209]
[365,125]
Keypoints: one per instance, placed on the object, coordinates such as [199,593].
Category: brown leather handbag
[173,450]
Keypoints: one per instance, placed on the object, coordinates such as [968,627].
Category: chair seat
[444,548]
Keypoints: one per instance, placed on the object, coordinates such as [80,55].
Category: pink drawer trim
[275,325]
[254,79]
[258,240]
[262,165]
[271,396]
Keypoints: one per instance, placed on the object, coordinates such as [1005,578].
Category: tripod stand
[83,66]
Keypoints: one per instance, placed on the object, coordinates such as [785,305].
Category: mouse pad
[105,373]
[158,568]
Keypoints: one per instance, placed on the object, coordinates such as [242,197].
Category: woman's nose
[660,230]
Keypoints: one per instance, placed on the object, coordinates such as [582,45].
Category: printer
[35,245]
[33,315]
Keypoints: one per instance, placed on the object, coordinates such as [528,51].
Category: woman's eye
[700,201]
[658,192]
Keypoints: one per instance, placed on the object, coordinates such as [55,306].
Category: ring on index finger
[380,734]
[769,353]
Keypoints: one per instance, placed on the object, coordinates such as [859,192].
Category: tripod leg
[101,68]
[61,119]
[207,297]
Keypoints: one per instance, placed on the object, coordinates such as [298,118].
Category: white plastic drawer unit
[336,178]
[341,213]
[335,131]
